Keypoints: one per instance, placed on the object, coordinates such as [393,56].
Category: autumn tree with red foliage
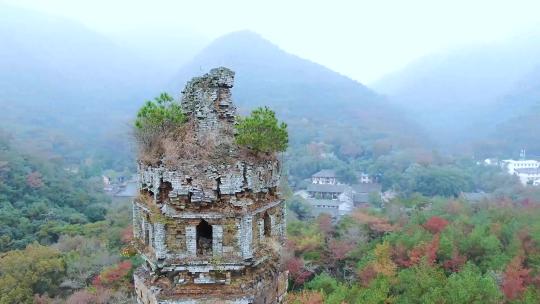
[366,275]
[325,224]
[114,276]
[456,262]
[435,224]
[515,278]
[427,251]
[34,180]
[297,271]
[339,249]
[432,248]
[401,256]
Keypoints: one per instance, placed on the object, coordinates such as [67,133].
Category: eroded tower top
[207,100]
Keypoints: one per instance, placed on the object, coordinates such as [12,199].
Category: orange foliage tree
[514,278]
[435,224]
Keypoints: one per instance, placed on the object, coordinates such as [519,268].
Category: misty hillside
[55,61]
[164,48]
[306,94]
[451,93]
[65,86]
[516,119]
[73,91]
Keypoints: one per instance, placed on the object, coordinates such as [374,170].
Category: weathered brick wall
[231,179]
[176,237]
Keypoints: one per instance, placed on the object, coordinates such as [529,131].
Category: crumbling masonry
[210,230]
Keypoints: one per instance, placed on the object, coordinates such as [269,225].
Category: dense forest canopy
[38,199]
[452,252]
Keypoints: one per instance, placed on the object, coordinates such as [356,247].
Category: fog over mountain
[46,57]
[301,91]
[62,84]
[164,48]
[71,89]
[515,119]
[65,85]
[458,95]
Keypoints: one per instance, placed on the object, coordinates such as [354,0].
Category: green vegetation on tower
[161,113]
[262,132]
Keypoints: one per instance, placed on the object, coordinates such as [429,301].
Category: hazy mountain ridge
[516,118]
[47,57]
[460,95]
[66,86]
[302,92]
[62,84]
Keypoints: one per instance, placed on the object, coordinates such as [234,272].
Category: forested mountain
[317,102]
[64,86]
[456,94]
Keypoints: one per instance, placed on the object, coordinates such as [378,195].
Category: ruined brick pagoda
[210,224]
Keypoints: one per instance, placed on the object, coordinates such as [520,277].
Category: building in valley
[528,176]
[512,165]
[527,170]
[330,207]
[364,178]
[326,191]
[324,177]
[363,193]
[326,195]
[209,221]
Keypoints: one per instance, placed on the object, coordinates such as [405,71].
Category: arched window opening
[267,225]
[164,189]
[204,238]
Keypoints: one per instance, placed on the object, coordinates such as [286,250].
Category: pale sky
[361,39]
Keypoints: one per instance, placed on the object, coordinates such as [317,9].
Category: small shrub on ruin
[159,116]
[160,113]
[262,132]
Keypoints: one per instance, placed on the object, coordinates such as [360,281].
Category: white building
[364,178]
[490,162]
[512,165]
[527,170]
[528,176]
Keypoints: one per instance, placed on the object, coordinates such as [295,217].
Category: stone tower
[209,222]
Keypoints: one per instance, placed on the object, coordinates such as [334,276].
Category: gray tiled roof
[528,170]
[361,198]
[326,188]
[366,188]
[325,173]
[324,202]
[320,206]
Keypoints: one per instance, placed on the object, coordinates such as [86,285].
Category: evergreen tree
[262,132]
